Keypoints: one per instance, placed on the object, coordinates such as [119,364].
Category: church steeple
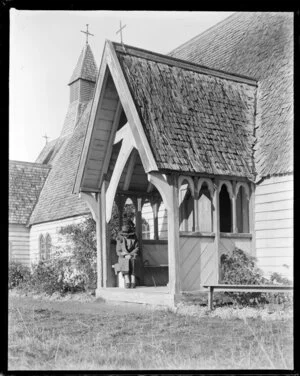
[83,79]
[86,68]
[82,85]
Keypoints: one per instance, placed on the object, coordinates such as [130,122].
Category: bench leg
[210,298]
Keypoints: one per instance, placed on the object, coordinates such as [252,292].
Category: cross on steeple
[87,33]
[46,138]
[120,31]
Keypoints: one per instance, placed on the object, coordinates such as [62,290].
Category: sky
[45,47]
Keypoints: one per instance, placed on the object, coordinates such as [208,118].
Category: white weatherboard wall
[18,237]
[274,225]
[52,228]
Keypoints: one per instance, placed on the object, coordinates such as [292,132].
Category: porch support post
[196,214]
[138,227]
[155,208]
[173,238]
[168,190]
[99,244]
[107,270]
[94,204]
[233,206]
[252,218]
[216,228]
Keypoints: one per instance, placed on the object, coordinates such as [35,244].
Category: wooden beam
[160,58]
[124,153]
[132,115]
[131,164]
[99,92]
[110,142]
[122,133]
[150,188]
[91,203]
[137,193]
[252,219]
[216,230]
[99,245]
[169,193]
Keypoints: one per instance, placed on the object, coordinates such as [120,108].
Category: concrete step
[143,295]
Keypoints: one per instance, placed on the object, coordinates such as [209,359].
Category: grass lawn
[53,335]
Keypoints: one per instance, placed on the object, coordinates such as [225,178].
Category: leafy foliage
[83,249]
[238,267]
[17,274]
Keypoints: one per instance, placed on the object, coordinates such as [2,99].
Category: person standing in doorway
[128,252]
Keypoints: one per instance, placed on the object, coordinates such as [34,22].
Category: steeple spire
[82,86]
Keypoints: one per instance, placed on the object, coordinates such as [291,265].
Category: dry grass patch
[92,336]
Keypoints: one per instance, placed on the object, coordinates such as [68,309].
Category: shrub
[238,267]
[83,258]
[57,275]
[17,274]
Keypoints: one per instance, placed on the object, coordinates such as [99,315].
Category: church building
[199,140]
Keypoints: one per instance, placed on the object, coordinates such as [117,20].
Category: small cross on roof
[120,31]
[46,138]
[87,33]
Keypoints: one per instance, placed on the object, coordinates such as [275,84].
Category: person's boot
[127,282]
[133,284]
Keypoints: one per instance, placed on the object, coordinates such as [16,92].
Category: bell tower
[82,85]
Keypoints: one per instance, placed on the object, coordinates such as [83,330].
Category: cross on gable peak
[119,31]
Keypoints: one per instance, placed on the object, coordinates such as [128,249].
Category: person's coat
[127,244]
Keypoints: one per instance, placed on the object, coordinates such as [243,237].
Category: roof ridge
[33,164]
[184,64]
[225,20]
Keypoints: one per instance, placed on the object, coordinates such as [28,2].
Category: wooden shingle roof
[26,181]
[56,199]
[86,67]
[259,45]
[195,120]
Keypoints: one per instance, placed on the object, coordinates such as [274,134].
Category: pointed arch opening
[205,209]
[225,210]
[242,211]
[186,205]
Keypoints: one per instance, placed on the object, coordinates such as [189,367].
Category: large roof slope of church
[56,199]
[195,119]
[86,67]
[26,181]
[259,45]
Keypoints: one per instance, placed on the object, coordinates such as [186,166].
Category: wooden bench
[243,288]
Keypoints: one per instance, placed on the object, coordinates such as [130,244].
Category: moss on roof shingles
[25,184]
[194,122]
[259,45]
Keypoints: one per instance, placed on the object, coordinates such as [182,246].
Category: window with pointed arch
[225,210]
[145,229]
[205,209]
[48,246]
[242,211]
[42,247]
[186,207]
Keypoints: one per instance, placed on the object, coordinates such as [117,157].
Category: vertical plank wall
[274,225]
[52,228]
[18,237]
[197,262]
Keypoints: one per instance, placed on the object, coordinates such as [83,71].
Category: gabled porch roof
[182,116]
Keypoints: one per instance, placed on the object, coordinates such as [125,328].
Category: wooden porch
[205,214]
[160,295]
